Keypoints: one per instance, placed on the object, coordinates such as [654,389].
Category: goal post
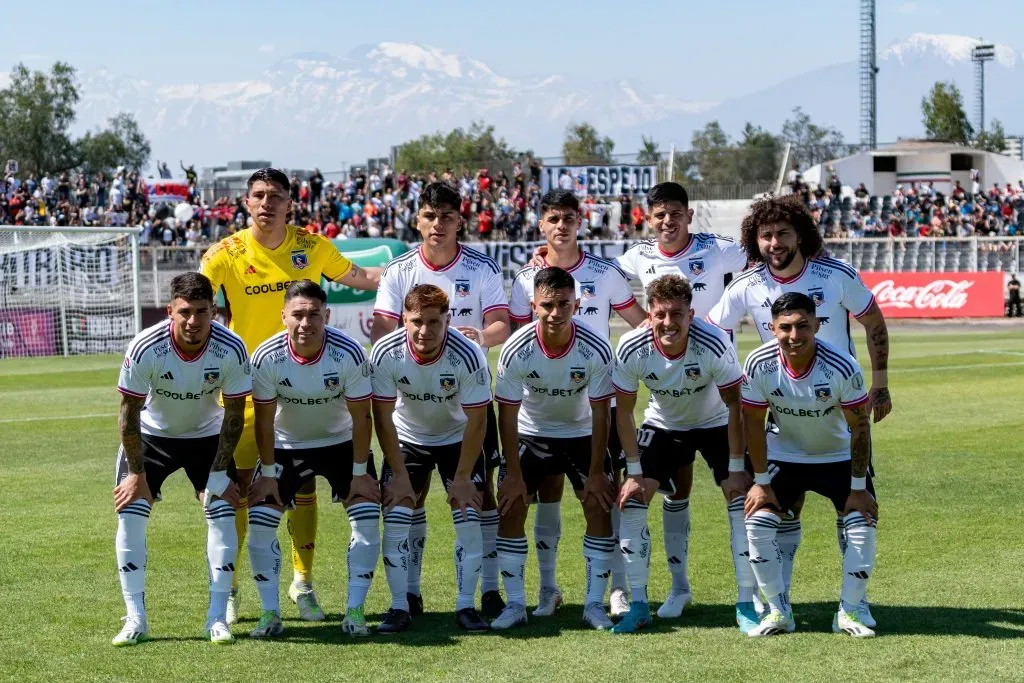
[68,290]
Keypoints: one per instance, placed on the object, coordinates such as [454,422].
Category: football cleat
[548,602]
[234,606]
[396,621]
[674,605]
[354,623]
[864,614]
[132,633]
[305,599]
[850,624]
[491,604]
[415,604]
[746,616]
[772,624]
[595,616]
[268,626]
[618,603]
[469,619]
[638,617]
[513,615]
[219,633]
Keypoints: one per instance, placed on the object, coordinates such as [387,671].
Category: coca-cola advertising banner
[937,295]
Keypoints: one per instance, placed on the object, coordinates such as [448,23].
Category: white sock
[469,550]
[265,555]
[675,516]
[489,568]
[635,548]
[221,551]
[618,565]
[512,561]
[417,544]
[765,558]
[130,547]
[788,537]
[858,560]
[597,551]
[363,550]
[547,530]
[396,555]
[745,581]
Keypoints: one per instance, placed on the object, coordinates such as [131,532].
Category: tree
[993,139]
[649,153]
[759,156]
[122,144]
[811,144]
[440,151]
[36,110]
[583,145]
[714,161]
[943,114]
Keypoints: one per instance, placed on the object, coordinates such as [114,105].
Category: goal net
[68,291]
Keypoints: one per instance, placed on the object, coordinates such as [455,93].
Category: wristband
[633,468]
[858,483]
[216,484]
[358,469]
[737,465]
[271,471]
[763,479]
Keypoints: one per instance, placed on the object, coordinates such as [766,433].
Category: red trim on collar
[420,361]
[438,269]
[689,243]
[181,354]
[565,351]
[575,266]
[307,361]
[789,370]
[788,280]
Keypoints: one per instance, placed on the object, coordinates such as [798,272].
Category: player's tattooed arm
[858,418]
[362,278]
[878,350]
[129,422]
[230,433]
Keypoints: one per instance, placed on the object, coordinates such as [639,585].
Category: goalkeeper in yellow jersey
[254,268]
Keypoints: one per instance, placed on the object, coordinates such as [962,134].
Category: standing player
[479,309]
[553,389]
[311,387]
[601,287]
[431,392]
[169,420]
[821,443]
[781,237]
[254,268]
[694,379]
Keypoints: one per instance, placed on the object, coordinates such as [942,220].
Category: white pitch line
[56,417]
[933,368]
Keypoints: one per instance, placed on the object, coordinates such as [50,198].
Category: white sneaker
[268,626]
[513,615]
[234,606]
[618,603]
[864,614]
[548,602]
[219,633]
[850,624]
[132,633]
[594,615]
[305,599]
[772,624]
[674,604]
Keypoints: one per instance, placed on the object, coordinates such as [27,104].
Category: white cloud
[267,47]
[908,8]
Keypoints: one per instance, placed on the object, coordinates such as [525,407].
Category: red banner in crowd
[167,191]
[937,295]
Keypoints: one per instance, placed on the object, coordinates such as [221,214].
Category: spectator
[316,186]
[1013,292]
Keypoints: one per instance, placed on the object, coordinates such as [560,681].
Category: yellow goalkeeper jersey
[254,278]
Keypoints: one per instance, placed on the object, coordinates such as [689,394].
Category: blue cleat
[638,617]
[746,616]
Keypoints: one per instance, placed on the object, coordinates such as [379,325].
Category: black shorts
[663,452]
[614,443]
[420,461]
[492,448]
[333,463]
[790,480]
[163,456]
[541,457]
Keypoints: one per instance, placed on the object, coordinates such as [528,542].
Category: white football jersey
[835,288]
[555,390]
[807,409]
[684,389]
[311,394]
[704,261]
[473,282]
[181,392]
[601,288]
[430,395]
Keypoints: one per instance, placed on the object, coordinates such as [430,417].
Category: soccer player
[821,443]
[601,287]
[431,393]
[479,309]
[694,378]
[781,238]
[169,420]
[311,387]
[254,268]
[553,389]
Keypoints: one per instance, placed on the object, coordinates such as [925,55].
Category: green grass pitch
[948,590]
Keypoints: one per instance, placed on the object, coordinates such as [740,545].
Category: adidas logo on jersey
[778,392]
[404,380]
[285,382]
[251,270]
[651,271]
[533,375]
[652,377]
[167,375]
[766,304]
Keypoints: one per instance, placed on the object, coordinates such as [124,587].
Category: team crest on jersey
[822,392]
[817,295]
[696,266]
[692,372]
[210,376]
[462,288]
[588,290]
[299,259]
[577,375]
[331,382]
[447,382]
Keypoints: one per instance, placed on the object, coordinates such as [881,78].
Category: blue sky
[708,49]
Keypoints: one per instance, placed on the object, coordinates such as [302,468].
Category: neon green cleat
[354,623]
[305,599]
[269,625]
